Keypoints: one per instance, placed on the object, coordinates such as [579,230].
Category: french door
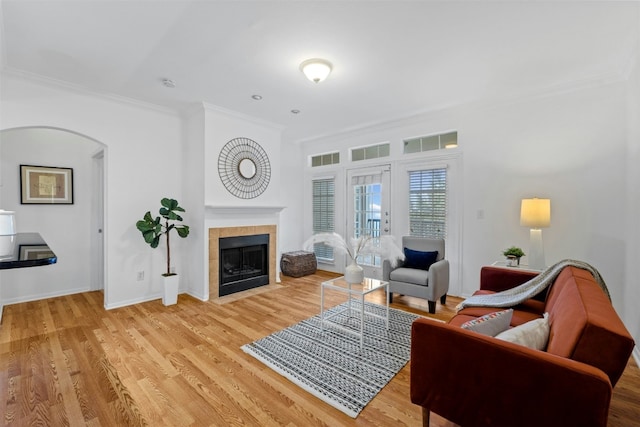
[368,211]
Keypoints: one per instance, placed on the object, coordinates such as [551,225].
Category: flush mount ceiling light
[316,69]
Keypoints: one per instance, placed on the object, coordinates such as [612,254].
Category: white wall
[632,277]
[143,164]
[195,272]
[570,147]
[66,228]
[292,186]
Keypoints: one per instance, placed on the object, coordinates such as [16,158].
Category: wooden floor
[67,361]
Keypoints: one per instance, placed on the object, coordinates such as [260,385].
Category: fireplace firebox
[244,263]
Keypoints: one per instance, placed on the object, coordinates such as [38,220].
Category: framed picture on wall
[46,185]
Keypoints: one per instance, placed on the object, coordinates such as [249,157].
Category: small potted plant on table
[513,255]
[153,229]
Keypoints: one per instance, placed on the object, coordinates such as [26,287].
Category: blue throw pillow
[419,259]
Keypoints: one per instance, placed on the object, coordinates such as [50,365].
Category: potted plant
[153,229]
[513,253]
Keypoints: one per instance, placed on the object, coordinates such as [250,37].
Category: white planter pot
[171,285]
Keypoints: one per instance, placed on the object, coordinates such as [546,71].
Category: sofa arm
[477,380]
[499,279]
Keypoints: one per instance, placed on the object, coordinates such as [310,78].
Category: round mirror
[247,168]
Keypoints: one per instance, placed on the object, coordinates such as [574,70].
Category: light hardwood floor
[67,361]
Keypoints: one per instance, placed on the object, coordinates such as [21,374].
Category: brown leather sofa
[478,380]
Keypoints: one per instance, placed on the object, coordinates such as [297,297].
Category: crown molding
[79,89]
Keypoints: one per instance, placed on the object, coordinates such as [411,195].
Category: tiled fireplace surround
[248,230]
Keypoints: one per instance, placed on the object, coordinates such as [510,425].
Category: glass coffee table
[358,291]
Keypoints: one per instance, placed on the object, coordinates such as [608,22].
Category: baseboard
[133,301]
[39,297]
[636,355]
[147,298]
[197,296]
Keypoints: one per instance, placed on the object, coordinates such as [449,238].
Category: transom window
[325,159]
[431,142]
[371,152]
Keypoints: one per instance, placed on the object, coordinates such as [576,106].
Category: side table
[353,290]
[523,267]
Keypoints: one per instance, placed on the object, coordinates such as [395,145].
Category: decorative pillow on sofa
[418,259]
[490,324]
[533,334]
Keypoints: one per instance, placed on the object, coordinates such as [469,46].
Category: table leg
[361,321]
[321,308]
[386,288]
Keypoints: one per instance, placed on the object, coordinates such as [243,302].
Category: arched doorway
[75,231]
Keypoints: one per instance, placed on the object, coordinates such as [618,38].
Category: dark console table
[29,250]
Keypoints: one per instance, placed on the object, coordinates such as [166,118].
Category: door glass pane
[366,216]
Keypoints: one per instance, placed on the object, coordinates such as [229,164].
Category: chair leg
[425,417]
[390,297]
[443,299]
[432,307]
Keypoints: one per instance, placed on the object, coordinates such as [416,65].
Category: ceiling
[392,59]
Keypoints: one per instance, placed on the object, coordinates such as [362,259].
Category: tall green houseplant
[153,229]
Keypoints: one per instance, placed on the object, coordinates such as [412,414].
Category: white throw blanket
[519,294]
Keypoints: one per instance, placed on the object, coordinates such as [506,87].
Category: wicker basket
[298,263]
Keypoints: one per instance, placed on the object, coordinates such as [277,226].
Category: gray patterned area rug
[330,364]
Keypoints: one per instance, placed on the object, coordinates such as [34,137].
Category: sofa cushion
[533,334]
[419,259]
[410,275]
[490,324]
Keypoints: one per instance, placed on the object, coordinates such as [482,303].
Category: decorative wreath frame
[244,168]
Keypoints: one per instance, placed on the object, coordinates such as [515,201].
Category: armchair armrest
[387,269]
[473,379]
[439,275]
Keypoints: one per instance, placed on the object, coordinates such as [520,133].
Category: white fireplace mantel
[243,210]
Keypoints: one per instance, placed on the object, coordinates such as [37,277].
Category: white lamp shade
[535,213]
[7,223]
[316,70]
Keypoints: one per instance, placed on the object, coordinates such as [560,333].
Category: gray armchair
[429,284]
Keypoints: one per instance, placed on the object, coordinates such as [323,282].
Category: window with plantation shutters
[428,202]
[323,213]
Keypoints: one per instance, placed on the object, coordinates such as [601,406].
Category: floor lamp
[536,214]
